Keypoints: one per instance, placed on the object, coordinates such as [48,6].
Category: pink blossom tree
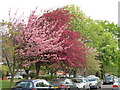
[46,39]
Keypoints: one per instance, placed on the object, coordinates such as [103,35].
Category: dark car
[63,84]
[36,84]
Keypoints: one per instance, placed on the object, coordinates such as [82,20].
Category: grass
[5,84]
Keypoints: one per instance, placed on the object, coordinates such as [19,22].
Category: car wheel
[100,86]
[97,87]
[67,89]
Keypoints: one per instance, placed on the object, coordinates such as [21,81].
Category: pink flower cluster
[46,39]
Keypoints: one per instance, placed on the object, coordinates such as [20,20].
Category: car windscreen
[57,81]
[118,81]
[77,80]
[24,84]
[92,79]
[109,78]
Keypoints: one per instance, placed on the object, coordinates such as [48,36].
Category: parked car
[109,79]
[116,85]
[90,76]
[81,83]
[36,84]
[63,84]
[95,82]
[16,77]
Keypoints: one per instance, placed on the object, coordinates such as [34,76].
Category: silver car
[116,85]
[63,84]
[95,82]
[81,83]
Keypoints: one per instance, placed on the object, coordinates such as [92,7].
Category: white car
[95,82]
[16,77]
[90,76]
[116,85]
[81,83]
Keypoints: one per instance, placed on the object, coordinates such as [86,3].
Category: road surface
[104,87]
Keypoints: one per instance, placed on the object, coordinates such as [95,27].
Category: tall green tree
[109,48]
[100,34]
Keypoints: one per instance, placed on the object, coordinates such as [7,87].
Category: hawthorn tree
[46,39]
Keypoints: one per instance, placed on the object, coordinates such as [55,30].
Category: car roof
[92,78]
[80,78]
[60,79]
[31,80]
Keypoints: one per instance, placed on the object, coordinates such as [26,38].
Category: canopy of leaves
[93,65]
[100,34]
[46,39]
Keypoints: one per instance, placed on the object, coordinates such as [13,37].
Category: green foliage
[93,65]
[86,26]
[3,69]
[9,33]
[101,34]
[110,27]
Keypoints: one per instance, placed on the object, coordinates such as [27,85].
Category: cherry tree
[47,38]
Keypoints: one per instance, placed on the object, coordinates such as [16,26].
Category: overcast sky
[96,9]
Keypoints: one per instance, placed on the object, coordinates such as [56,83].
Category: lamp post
[119,38]
[119,56]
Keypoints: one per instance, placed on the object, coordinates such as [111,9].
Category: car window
[86,80]
[92,79]
[24,84]
[77,80]
[68,82]
[57,81]
[41,84]
[109,78]
[118,81]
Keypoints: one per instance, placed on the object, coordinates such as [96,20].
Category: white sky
[96,9]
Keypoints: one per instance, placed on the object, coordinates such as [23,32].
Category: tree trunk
[27,72]
[11,80]
[37,65]
[51,72]
[75,73]
[102,72]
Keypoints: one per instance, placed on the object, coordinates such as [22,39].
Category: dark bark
[75,73]
[27,73]
[51,72]
[37,65]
